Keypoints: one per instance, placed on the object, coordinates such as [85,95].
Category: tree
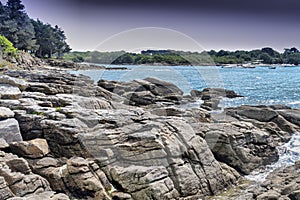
[61,46]
[269,51]
[16,26]
[294,50]
[51,40]
[267,59]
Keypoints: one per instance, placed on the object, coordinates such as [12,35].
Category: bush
[6,48]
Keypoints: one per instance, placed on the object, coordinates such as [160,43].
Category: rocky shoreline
[64,137]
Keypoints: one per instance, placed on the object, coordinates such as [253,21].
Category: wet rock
[241,145]
[213,93]
[213,96]
[9,130]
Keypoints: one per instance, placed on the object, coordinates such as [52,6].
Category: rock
[9,92]
[30,124]
[140,98]
[20,83]
[295,195]
[19,178]
[212,93]
[241,145]
[144,92]
[43,196]
[36,148]
[142,182]
[163,88]
[92,103]
[103,147]
[260,113]
[3,144]
[270,195]
[62,136]
[19,165]
[81,181]
[292,116]
[9,130]
[5,192]
[213,96]
[9,103]
[6,113]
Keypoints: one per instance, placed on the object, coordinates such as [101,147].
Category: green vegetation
[29,35]
[6,48]
[169,57]
[121,57]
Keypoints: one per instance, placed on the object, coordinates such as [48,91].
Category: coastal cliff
[64,137]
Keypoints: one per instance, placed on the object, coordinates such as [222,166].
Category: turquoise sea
[260,85]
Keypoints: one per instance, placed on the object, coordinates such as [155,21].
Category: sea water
[289,153]
[260,85]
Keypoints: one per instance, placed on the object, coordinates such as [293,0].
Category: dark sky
[214,24]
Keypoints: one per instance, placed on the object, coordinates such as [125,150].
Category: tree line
[31,35]
[170,57]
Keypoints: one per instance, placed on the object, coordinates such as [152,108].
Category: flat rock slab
[6,113]
[10,131]
[9,92]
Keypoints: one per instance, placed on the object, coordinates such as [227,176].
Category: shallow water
[259,86]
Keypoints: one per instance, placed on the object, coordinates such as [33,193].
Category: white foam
[289,153]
